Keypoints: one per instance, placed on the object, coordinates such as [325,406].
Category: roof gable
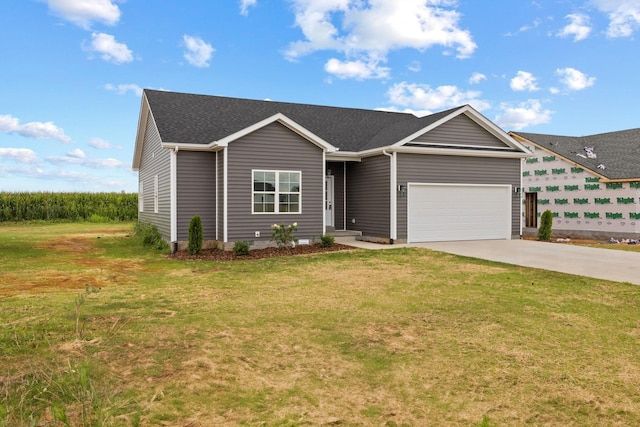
[462,128]
[614,155]
[285,121]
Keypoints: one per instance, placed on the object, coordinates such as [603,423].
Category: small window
[141,197]
[155,194]
[276,192]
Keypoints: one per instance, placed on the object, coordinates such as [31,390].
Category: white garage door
[444,212]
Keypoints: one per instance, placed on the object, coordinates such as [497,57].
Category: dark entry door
[531,210]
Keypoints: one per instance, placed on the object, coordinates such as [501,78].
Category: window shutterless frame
[276,192]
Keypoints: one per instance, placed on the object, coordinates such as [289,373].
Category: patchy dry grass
[395,337]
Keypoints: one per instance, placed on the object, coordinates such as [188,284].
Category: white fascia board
[190,147]
[344,156]
[145,111]
[445,152]
[470,112]
[463,152]
[284,120]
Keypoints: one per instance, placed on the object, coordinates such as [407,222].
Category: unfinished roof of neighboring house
[614,155]
[202,119]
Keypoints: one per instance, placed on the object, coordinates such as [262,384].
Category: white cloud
[76,153]
[81,160]
[100,144]
[535,24]
[37,130]
[424,98]
[624,16]
[477,78]
[528,27]
[109,49]
[574,79]
[359,70]
[579,27]
[245,5]
[372,29]
[83,12]
[524,81]
[66,179]
[415,66]
[198,51]
[525,114]
[123,88]
[22,155]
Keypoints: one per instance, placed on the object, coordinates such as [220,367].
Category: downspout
[344,195]
[217,199]
[225,194]
[393,197]
[324,192]
[173,199]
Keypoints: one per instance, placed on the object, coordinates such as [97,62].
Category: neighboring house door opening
[328,202]
[531,210]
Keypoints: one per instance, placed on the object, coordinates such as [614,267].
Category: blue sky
[72,71]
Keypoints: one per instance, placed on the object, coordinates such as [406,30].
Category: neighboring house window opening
[141,197]
[155,194]
[276,191]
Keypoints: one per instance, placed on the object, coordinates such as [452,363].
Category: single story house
[243,165]
[591,184]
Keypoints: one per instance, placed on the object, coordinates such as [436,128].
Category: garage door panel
[440,212]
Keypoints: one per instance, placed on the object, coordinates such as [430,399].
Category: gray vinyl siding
[196,192]
[461,130]
[337,170]
[457,170]
[273,147]
[368,196]
[155,161]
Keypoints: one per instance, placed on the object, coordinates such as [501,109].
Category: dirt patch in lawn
[220,255]
[77,270]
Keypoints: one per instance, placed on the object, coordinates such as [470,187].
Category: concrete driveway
[607,264]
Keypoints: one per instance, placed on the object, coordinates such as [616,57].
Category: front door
[531,210]
[328,201]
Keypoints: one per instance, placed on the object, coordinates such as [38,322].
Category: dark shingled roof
[618,152]
[202,119]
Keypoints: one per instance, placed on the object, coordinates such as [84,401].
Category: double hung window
[276,192]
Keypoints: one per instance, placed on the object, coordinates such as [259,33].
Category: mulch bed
[219,255]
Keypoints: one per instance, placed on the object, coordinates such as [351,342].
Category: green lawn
[97,330]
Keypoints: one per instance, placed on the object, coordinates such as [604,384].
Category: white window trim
[277,193]
[141,197]
[155,194]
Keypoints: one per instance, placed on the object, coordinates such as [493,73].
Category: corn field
[96,207]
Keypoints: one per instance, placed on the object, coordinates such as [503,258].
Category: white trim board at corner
[447,212]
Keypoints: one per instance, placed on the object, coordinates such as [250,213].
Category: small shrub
[546,221]
[326,241]
[241,248]
[283,235]
[195,235]
[150,236]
